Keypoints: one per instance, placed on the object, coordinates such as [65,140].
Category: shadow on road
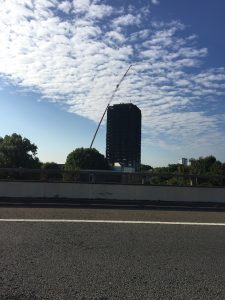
[109,204]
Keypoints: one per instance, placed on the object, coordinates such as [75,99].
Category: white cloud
[65,6]
[81,5]
[78,61]
[126,20]
[116,36]
[156,2]
[100,11]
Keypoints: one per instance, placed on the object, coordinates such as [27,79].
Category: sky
[61,60]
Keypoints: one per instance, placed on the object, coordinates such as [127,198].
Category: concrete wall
[113,191]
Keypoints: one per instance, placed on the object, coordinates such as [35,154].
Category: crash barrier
[112,177]
[110,192]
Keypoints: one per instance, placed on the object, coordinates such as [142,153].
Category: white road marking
[111,222]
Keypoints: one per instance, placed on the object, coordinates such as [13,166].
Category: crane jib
[111,98]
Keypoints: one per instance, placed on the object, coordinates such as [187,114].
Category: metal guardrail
[102,176]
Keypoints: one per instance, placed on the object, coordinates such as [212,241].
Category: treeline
[19,153]
[206,171]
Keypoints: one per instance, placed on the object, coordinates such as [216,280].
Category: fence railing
[112,177]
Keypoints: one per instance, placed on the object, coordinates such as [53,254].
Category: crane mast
[110,100]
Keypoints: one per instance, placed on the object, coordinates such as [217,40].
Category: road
[55,257]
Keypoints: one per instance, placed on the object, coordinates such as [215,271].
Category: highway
[88,253]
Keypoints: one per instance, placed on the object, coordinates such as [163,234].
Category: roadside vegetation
[17,152]
[206,169]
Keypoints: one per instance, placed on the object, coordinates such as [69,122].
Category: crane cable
[110,100]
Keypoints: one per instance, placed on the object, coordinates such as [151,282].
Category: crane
[110,100]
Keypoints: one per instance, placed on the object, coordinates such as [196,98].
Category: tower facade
[123,137]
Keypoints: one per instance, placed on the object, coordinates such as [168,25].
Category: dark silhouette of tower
[123,138]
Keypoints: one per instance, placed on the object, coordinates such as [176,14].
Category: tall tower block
[123,137]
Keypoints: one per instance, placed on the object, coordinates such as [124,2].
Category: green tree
[207,166]
[145,168]
[51,170]
[173,168]
[16,152]
[50,166]
[84,159]
[203,165]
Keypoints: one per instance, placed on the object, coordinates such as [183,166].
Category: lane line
[111,222]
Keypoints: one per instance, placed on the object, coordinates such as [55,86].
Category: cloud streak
[74,52]
[155,2]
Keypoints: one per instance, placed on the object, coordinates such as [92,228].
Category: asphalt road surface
[55,257]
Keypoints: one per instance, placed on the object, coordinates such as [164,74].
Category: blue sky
[61,60]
